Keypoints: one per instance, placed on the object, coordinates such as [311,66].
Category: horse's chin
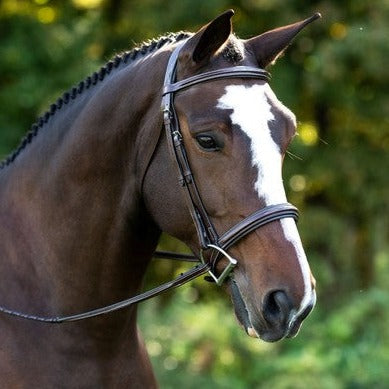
[256,329]
[271,336]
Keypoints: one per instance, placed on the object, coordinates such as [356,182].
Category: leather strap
[175,256]
[205,230]
[193,273]
[257,219]
[233,72]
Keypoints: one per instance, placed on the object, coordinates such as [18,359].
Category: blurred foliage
[335,78]
[199,344]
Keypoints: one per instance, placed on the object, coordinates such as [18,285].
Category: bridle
[208,237]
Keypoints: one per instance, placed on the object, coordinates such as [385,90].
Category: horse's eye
[207,142]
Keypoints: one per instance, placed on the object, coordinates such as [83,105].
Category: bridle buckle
[232,262]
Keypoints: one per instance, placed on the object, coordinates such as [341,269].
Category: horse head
[236,133]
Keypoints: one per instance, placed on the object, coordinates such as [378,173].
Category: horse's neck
[74,234]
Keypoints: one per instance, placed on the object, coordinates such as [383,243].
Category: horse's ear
[205,43]
[268,46]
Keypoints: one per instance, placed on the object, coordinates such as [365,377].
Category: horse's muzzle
[275,320]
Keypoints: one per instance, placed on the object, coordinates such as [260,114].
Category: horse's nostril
[277,307]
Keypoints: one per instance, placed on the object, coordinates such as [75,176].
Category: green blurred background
[335,78]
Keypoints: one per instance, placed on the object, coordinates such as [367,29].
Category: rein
[208,237]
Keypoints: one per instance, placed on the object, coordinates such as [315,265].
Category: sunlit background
[335,78]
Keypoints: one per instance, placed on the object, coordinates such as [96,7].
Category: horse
[86,195]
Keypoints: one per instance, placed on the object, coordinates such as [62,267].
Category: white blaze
[251,111]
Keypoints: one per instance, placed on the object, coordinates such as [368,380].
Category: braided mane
[126,57]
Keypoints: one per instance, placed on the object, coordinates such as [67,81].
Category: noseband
[210,241]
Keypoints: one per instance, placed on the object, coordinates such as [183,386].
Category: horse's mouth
[257,329]
[240,309]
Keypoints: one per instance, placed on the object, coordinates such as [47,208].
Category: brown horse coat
[84,200]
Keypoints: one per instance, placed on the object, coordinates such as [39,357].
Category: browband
[234,72]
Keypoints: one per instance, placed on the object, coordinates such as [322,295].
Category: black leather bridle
[208,237]
[207,234]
